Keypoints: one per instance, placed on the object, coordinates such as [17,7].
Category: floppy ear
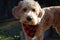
[40,13]
[15,12]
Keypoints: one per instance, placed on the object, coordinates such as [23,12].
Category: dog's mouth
[28,23]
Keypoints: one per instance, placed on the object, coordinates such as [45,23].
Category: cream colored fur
[45,17]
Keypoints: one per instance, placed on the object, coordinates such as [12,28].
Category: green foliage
[4,37]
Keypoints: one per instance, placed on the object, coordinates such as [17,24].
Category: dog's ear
[40,13]
[15,12]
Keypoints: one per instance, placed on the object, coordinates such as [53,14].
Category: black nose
[29,19]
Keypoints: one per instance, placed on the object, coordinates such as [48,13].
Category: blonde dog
[36,20]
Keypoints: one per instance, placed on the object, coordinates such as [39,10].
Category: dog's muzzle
[29,18]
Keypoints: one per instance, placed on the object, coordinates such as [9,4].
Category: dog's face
[29,12]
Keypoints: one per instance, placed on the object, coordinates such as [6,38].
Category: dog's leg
[27,37]
[39,34]
[57,27]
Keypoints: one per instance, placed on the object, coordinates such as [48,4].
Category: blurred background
[12,30]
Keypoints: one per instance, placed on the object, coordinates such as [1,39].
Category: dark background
[6,13]
[7,5]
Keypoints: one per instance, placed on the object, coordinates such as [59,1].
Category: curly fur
[44,17]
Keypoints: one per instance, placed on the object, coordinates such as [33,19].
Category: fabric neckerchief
[30,29]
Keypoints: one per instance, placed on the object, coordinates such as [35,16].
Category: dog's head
[28,11]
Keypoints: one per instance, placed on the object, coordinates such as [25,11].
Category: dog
[36,20]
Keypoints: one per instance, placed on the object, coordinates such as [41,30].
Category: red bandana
[30,29]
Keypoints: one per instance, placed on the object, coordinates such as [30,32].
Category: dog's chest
[30,29]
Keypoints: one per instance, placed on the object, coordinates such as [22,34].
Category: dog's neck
[47,19]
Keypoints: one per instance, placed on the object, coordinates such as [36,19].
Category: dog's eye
[33,10]
[24,9]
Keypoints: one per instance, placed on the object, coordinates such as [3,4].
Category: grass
[3,27]
[4,37]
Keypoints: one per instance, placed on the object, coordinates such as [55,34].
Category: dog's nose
[29,18]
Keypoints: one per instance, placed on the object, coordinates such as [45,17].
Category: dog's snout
[29,18]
